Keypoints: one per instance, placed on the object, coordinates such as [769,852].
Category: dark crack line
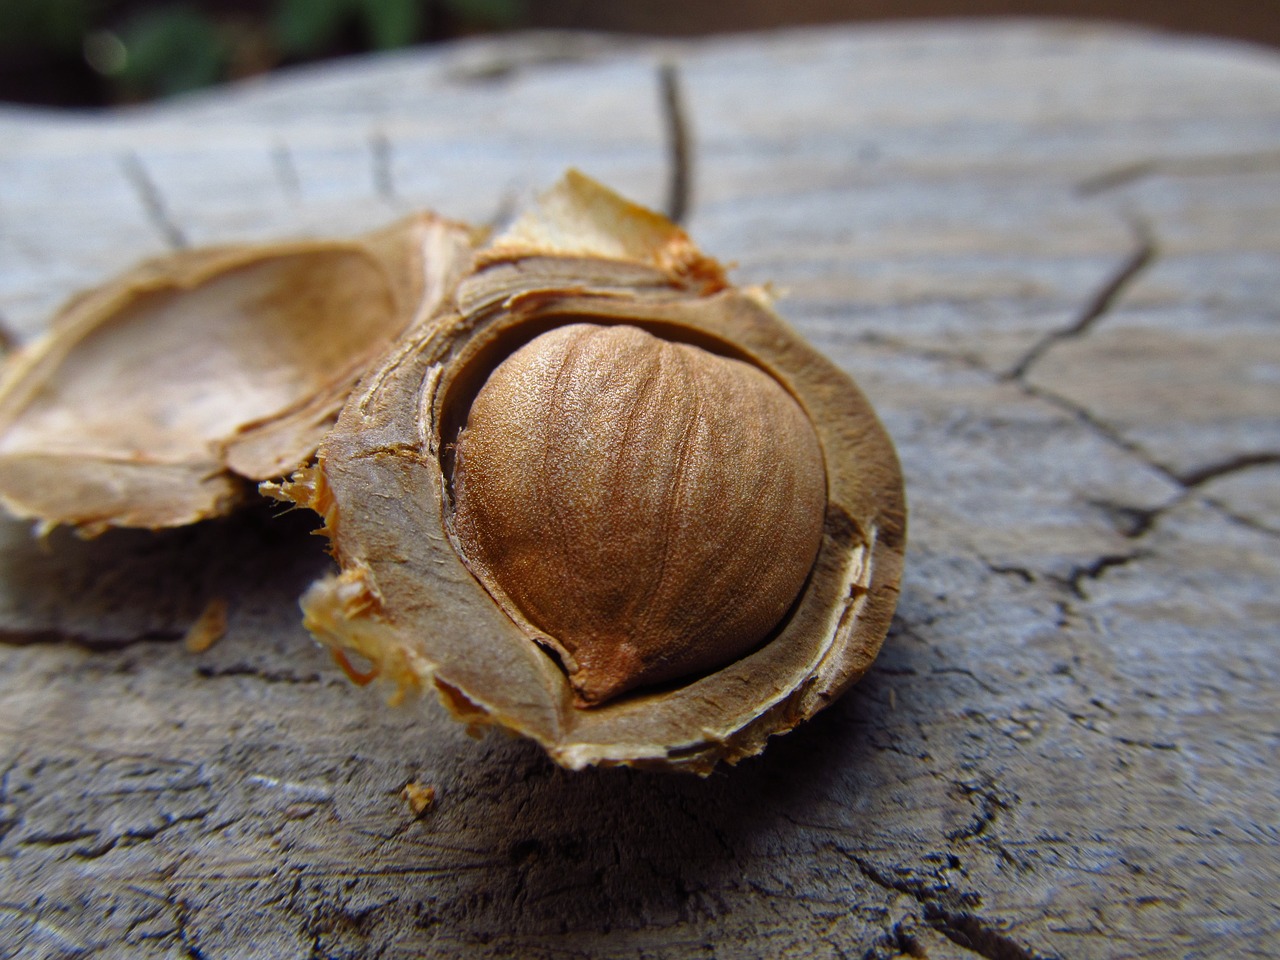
[59,838]
[1222,164]
[185,935]
[973,933]
[949,913]
[965,672]
[1240,519]
[24,638]
[258,673]
[1133,523]
[1080,414]
[1017,571]
[1099,305]
[968,361]
[679,143]
[1117,177]
[1098,427]
[286,172]
[1090,723]
[152,201]
[1244,461]
[915,889]
[1096,568]
[11,814]
[9,341]
[380,155]
[987,806]
[1145,519]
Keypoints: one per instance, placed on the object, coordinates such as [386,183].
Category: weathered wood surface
[1050,254]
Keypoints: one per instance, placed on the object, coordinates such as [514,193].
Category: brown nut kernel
[651,507]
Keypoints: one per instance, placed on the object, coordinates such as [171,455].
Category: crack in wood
[286,172]
[1011,570]
[260,673]
[1267,161]
[970,931]
[381,167]
[533,51]
[153,203]
[1081,415]
[989,804]
[1098,427]
[1132,523]
[1117,177]
[679,143]
[9,341]
[1239,519]
[1141,257]
[951,914]
[968,361]
[26,638]
[1089,723]
[1143,519]
[185,936]
[59,838]
[1097,567]
[1243,461]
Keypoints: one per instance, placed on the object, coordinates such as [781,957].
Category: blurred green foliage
[137,49]
[57,26]
[170,50]
[305,26]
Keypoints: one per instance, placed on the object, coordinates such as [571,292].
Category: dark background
[81,53]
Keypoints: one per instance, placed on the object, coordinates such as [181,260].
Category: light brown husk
[405,599]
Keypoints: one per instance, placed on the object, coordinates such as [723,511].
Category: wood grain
[1050,254]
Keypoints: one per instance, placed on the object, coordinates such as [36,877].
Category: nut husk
[410,601]
[158,395]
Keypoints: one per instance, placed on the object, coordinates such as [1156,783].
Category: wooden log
[1050,254]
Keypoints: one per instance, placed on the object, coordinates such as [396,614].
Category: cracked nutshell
[574,481]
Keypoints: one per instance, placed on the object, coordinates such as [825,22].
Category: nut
[511,482]
[650,508]
[589,492]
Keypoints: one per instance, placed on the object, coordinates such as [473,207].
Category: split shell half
[155,397]
[406,600]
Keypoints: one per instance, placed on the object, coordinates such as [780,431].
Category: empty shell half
[158,395]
